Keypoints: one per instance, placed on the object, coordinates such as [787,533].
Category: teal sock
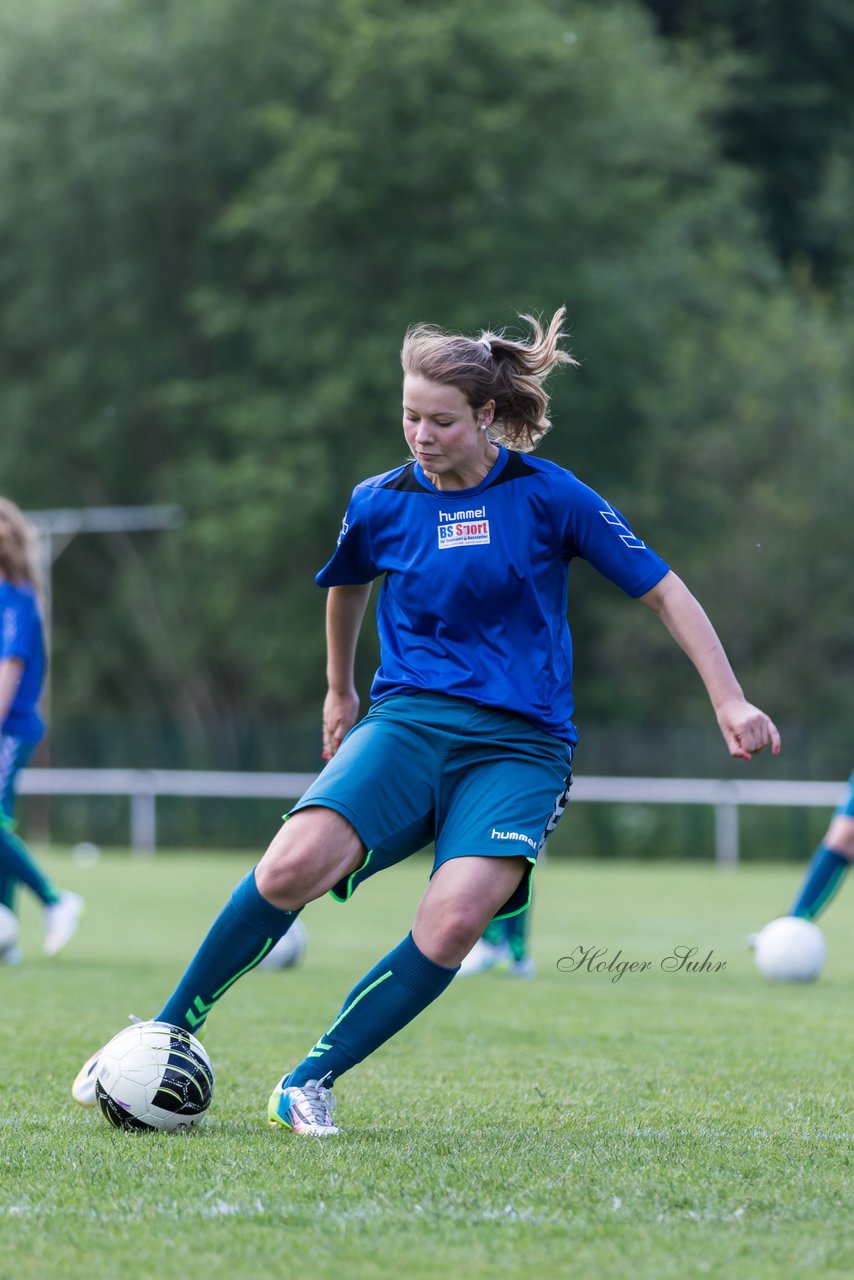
[495,933]
[387,998]
[239,938]
[17,863]
[8,887]
[825,874]
[516,933]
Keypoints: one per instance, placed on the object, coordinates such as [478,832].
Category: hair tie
[484,342]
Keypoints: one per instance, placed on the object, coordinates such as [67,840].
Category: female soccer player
[469,740]
[22,666]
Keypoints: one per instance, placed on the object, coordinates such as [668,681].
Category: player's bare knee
[840,836]
[288,879]
[312,851]
[447,938]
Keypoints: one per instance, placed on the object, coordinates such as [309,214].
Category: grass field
[663,1125]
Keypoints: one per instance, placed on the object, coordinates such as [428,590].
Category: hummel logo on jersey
[463,528]
[610,517]
[471,513]
[513,835]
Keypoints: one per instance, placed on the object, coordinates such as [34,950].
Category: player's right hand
[340,713]
[746,729]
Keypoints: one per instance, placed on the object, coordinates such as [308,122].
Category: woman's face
[445,434]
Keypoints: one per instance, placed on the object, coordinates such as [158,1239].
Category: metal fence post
[726,834]
[143,817]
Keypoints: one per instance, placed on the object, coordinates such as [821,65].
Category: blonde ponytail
[512,372]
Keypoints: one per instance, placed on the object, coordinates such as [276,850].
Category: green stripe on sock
[321,1047]
[251,965]
[828,893]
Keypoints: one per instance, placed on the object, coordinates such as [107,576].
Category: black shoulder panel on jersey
[405,480]
[516,468]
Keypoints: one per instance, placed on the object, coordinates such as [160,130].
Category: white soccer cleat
[483,957]
[524,968]
[304,1109]
[83,1089]
[60,922]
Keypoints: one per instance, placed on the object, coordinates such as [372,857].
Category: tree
[789,117]
[218,221]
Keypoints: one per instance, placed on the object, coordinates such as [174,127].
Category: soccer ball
[154,1076]
[289,950]
[9,930]
[790,950]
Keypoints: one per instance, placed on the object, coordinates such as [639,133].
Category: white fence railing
[144,786]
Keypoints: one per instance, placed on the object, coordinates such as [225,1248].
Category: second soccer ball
[790,950]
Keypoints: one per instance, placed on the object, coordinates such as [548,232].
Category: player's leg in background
[8,894]
[18,865]
[827,869]
[517,930]
[829,863]
[8,891]
[8,882]
[16,860]
[490,952]
[503,948]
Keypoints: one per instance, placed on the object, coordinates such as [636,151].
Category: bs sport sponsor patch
[463,528]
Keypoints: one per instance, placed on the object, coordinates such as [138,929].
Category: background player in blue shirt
[469,741]
[22,668]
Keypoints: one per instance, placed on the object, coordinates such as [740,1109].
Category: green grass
[666,1125]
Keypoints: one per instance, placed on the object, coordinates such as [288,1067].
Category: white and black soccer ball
[790,949]
[289,950]
[10,931]
[154,1076]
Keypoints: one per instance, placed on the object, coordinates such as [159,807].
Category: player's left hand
[746,729]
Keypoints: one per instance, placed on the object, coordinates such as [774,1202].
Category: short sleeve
[598,533]
[17,623]
[352,562]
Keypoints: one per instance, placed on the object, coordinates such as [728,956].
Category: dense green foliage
[668,1125]
[218,219]
[789,116]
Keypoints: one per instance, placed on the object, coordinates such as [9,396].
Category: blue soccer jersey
[474,598]
[22,637]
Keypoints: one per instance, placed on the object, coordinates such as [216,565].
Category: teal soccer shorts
[424,767]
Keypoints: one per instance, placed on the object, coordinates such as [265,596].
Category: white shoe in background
[60,922]
[483,957]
